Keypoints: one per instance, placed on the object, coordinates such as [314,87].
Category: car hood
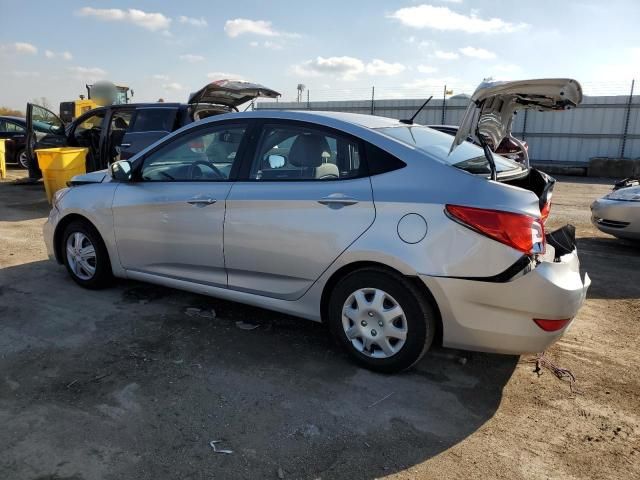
[93,177]
[231,93]
[490,111]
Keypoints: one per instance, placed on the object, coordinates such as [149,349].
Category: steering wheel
[328,176]
[211,166]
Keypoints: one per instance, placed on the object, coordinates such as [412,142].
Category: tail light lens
[522,232]
[545,210]
[551,325]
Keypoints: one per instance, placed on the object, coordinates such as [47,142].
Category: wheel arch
[62,225]
[351,267]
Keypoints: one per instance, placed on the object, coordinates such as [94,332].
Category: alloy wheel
[81,256]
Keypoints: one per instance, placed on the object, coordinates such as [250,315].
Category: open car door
[489,116]
[44,130]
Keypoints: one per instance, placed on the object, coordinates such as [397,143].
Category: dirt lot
[123,384]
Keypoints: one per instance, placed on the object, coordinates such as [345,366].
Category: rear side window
[154,120]
[379,161]
[297,152]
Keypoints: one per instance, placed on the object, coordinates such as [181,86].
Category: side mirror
[276,161]
[121,171]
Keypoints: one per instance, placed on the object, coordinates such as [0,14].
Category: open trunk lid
[231,93]
[490,112]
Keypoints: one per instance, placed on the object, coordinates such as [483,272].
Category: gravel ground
[126,383]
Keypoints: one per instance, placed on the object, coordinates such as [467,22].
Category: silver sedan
[618,213]
[368,224]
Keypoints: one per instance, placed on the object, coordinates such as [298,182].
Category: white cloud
[427,69]
[272,45]
[380,67]
[445,55]
[63,55]
[346,67]
[241,26]
[191,58]
[477,53]
[195,22]
[87,73]
[160,76]
[442,18]
[224,76]
[174,86]
[254,44]
[21,48]
[148,21]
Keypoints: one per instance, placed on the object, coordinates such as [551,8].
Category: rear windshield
[466,156]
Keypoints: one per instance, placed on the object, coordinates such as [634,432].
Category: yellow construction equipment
[98,94]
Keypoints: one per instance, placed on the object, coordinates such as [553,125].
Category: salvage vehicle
[13,131]
[618,212]
[382,229]
[120,131]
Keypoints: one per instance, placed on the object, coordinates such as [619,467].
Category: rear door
[303,200]
[44,129]
[148,125]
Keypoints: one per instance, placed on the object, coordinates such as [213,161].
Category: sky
[337,49]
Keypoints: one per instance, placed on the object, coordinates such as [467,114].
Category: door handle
[338,199]
[201,202]
[125,145]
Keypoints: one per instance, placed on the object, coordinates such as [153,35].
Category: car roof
[15,119]
[314,116]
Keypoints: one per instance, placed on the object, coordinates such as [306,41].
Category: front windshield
[466,156]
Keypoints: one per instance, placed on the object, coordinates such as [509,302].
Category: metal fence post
[524,123]
[626,120]
[308,103]
[373,96]
[444,105]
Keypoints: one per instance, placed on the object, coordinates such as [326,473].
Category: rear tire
[383,321]
[85,256]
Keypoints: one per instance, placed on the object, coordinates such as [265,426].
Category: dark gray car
[118,132]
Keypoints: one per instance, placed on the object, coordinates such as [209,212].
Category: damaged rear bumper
[498,316]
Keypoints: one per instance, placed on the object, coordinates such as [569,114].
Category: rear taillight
[545,202]
[545,210]
[522,232]
[551,325]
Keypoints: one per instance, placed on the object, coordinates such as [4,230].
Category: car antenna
[410,120]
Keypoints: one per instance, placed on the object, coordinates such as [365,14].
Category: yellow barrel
[3,164]
[59,165]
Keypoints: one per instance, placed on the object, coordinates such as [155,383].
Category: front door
[306,199]
[169,221]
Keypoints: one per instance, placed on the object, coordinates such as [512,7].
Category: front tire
[22,159]
[381,319]
[85,255]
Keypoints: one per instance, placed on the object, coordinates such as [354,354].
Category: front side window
[290,152]
[90,126]
[46,121]
[206,155]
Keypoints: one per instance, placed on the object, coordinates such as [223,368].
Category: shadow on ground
[19,201]
[607,260]
[123,383]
